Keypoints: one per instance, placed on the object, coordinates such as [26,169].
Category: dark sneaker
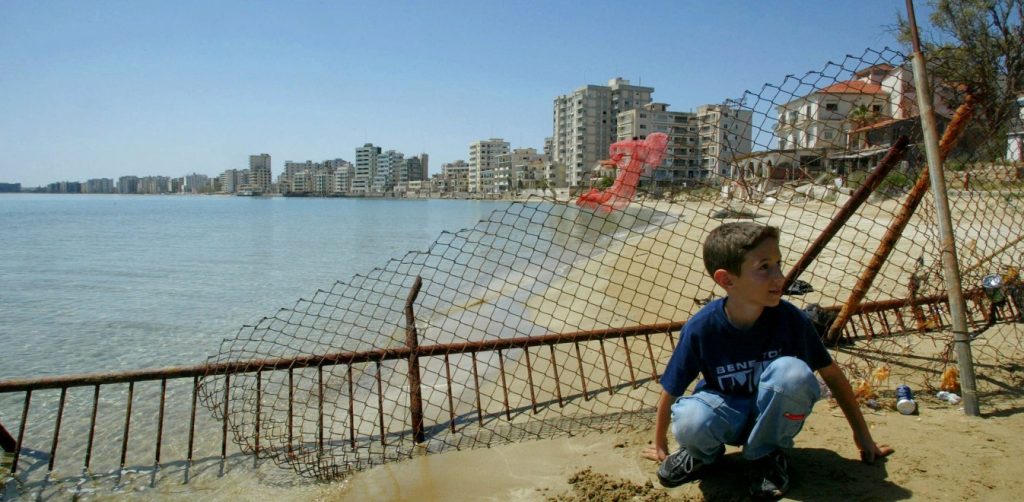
[679,468]
[771,476]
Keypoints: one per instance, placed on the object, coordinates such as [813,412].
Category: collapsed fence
[555,318]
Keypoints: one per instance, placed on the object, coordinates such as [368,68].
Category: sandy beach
[941,454]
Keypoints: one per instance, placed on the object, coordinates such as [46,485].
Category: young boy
[757,355]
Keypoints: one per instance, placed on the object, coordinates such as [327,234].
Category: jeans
[705,422]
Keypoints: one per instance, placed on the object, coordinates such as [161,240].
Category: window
[876,108]
[832,107]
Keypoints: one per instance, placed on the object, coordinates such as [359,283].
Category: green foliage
[977,45]
[895,182]
[856,179]
[605,182]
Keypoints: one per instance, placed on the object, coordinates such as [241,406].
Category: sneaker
[771,476]
[679,468]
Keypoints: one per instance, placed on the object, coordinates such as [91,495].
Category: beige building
[259,174]
[699,143]
[586,124]
[454,177]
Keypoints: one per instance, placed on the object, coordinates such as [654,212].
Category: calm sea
[113,282]
[107,283]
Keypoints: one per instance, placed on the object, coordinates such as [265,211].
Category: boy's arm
[841,390]
[659,450]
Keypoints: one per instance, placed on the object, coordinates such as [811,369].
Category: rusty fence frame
[926,312]
[411,353]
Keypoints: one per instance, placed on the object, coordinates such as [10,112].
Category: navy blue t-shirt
[731,359]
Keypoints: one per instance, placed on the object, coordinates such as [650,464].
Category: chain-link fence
[555,317]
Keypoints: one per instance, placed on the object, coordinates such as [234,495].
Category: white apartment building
[483,162]
[365,168]
[825,118]
[389,164]
[586,122]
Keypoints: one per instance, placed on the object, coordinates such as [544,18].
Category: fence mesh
[592,291]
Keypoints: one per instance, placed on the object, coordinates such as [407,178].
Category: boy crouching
[757,355]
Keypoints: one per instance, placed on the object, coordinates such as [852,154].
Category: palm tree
[862,115]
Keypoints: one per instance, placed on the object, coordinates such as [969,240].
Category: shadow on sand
[817,474]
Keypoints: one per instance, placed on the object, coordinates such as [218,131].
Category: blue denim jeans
[705,422]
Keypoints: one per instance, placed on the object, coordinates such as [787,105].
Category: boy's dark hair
[727,245]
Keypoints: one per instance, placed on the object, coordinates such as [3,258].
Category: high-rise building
[341,171]
[233,179]
[455,177]
[483,162]
[725,133]
[99,185]
[681,163]
[365,168]
[195,183]
[259,173]
[128,184]
[415,168]
[389,167]
[585,124]
[700,144]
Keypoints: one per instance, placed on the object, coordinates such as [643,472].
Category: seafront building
[195,183]
[259,174]
[515,168]
[454,178]
[233,179]
[699,143]
[483,163]
[99,185]
[585,124]
[389,163]
[365,168]
[725,134]
[128,184]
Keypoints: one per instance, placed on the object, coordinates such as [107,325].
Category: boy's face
[760,281]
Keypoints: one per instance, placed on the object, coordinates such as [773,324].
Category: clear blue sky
[97,88]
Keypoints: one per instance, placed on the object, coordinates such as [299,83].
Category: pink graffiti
[630,157]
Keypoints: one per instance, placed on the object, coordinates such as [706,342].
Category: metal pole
[412,343]
[950,268]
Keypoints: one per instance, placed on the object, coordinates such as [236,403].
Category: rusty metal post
[950,267]
[412,343]
[873,180]
[895,231]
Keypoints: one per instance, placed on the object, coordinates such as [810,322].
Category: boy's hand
[874,452]
[654,453]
